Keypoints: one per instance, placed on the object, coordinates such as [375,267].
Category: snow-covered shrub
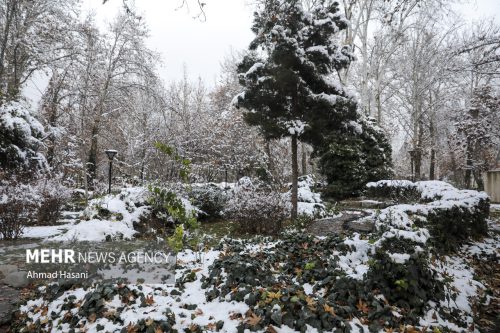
[20,135]
[257,210]
[210,199]
[27,201]
[53,196]
[18,207]
[309,202]
[398,191]
[445,215]
[400,270]
[178,216]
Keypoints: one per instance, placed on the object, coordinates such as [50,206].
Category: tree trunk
[92,159]
[295,176]
[379,108]
[304,158]
[468,167]
[418,163]
[432,167]
[479,180]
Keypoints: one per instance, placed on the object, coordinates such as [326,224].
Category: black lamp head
[111,153]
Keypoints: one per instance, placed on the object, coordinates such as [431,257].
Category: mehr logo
[47,256]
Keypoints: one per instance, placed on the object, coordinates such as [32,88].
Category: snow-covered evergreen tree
[349,161]
[288,75]
[20,134]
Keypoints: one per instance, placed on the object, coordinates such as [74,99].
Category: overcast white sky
[199,45]
[202,45]
[181,39]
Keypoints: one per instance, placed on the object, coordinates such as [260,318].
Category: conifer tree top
[290,75]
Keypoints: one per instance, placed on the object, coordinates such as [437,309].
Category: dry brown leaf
[92,317]
[271,329]
[44,310]
[193,327]
[328,309]
[362,306]
[109,313]
[211,326]
[149,300]
[311,304]
[132,328]
[252,319]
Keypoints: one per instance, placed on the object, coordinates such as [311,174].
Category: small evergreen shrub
[398,191]
[453,226]
[210,199]
[175,214]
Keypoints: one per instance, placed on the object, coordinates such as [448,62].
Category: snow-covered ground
[190,305]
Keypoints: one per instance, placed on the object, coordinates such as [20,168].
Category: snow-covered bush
[257,210]
[26,201]
[309,202]
[17,208]
[177,215]
[398,191]
[210,199]
[445,215]
[53,196]
[20,135]
[18,204]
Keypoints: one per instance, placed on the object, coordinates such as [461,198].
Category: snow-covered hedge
[442,214]
[257,210]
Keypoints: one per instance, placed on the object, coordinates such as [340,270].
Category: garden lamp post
[111,154]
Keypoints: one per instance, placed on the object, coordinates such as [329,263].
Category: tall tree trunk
[92,159]
[468,167]
[304,158]
[295,176]
[479,180]
[10,12]
[379,107]
[418,163]
[432,166]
